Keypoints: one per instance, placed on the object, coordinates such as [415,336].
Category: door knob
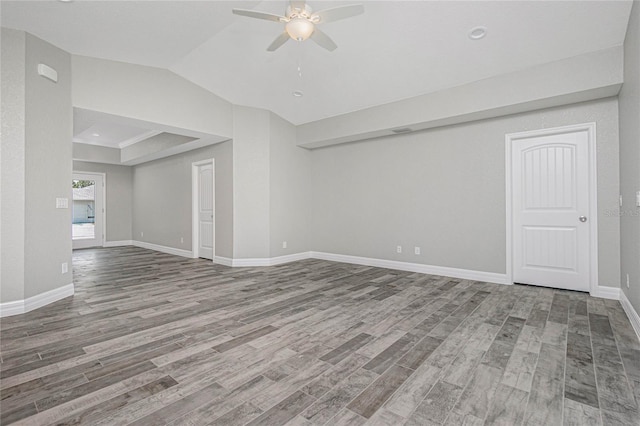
[583,218]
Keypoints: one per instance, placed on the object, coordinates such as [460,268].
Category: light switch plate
[62,203]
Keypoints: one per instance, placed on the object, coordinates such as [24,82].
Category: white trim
[117,243]
[632,314]
[8,309]
[291,258]
[590,128]
[225,261]
[250,262]
[606,292]
[466,274]
[163,249]
[37,301]
[264,261]
[195,234]
[138,138]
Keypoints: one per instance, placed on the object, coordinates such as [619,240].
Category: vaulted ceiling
[395,50]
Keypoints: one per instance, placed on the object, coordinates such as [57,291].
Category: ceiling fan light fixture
[300,29]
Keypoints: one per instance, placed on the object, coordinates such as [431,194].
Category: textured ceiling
[395,50]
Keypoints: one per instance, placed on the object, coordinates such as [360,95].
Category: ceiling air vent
[402,130]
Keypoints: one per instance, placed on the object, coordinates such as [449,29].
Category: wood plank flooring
[155,339]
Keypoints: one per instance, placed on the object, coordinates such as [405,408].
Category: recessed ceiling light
[298,93]
[65,1]
[95,134]
[477,33]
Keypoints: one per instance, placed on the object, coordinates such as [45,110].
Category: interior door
[205,211]
[550,200]
[87,225]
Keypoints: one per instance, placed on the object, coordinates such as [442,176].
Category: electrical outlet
[182,240]
[416,250]
[284,244]
[621,200]
[627,280]
[399,249]
[141,234]
[65,269]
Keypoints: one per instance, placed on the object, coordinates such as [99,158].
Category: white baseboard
[606,293]
[466,274]
[226,261]
[8,309]
[117,243]
[163,249]
[35,302]
[290,258]
[632,314]
[262,261]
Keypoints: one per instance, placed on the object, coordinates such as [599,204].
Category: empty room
[320,213]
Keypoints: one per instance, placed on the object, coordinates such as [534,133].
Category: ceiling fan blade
[279,41]
[337,13]
[323,40]
[259,15]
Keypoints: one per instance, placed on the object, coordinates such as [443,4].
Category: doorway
[551,208]
[87,226]
[203,208]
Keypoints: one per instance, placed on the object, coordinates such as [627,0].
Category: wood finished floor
[151,339]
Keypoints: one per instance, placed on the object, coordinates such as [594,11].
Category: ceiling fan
[302,22]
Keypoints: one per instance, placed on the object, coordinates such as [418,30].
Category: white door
[206,222]
[551,210]
[87,224]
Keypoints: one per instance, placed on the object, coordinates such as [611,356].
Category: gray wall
[150,94]
[119,195]
[251,182]
[444,190]
[589,76]
[48,134]
[162,199]
[630,160]
[12,162]
[96,154]
[289,190]
[152,145]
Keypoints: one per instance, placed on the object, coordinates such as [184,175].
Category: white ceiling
[95,128]
[395,50]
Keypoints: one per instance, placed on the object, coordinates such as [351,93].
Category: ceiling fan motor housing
[293,13]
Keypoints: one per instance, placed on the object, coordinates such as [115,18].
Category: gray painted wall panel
[444,191]
[12,161]
[48,135]
[96,154]
[290,197]
[162,199]
[251,182]
[119,197]
[630,160]
[580,78]
[149,94]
